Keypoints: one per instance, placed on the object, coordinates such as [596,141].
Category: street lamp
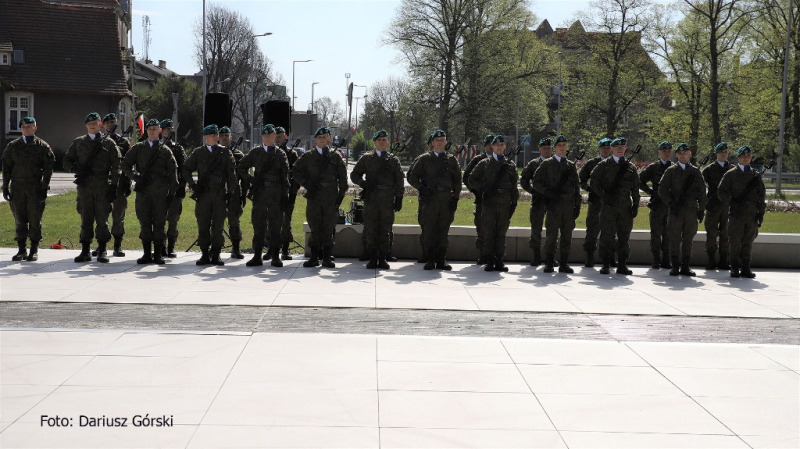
[293,95]
[253,92]
[312,96]
[365,102]
[558,114]
[357,98]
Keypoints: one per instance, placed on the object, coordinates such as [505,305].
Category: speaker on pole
[278,113]
[219,108]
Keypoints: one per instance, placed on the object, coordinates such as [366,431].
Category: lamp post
[365,102]
[558,113]
[312,96]
[293,95]
[782,126]
[253,92]
[357,98]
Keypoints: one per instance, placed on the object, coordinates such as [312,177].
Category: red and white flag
[140,123]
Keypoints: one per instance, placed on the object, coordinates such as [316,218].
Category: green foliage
[360,144]
[157,103]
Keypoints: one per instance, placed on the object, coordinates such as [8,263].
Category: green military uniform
[716,213]
[595,204]
[120,204]
[216,182]
[616,182]
[743,193]
[683,189]
[27,168]
[379,174]
[659,237]
[323,173]
[153,167]
[270,196]
[95,162]
[495,178]
[175,208]
[538,205]
[286,226]
[235,206]
[422,256]
[476,220]
[556,182]
[437,177]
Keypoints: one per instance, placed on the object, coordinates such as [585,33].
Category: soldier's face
[619,150]
[722,156]
[28,129]
[152,132]
[665,154]
[746,158]
[322,140]
[93,127]
[546,151]
[211,139]
[439,144]
[488,149]
[167,132]
[225,139]
[561,149]
[109,124]
[499,147]
[683,156]
[604,151]
[382,143]
[280,138]
[268,139]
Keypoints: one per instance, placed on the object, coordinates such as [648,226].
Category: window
[18,105]
[5,58]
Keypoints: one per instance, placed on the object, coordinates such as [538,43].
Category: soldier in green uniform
[379,174]
[152,166]
[616,182]
[175,207]
[716,212]
[538,205]
[235,206]
[423,258]
[27,168]
[95,160]
[437,178]
[270,188]
[216,183]
[487,152]
[683,189]
[659,237]
[120,204]
[496,179]
[286,225]
[595,203]
[743,193]
[323,173]
[556,182]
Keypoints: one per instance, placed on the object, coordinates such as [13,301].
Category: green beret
[27,121]
[210,129]
[225,130]
[561,138]
[151,122]
[545,141]
[322,130]
[109,116]
[744,149]
[665,145]
[166,123]
[379,134]
[280,130]
[499,139]
[92,117]
[488,139]
[722,146]
[267,129]
[682,147]
[619,141]
[604,142]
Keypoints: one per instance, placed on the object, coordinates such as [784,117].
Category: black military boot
[537,257]
[285,252]
[665,260]
[549,262]
[158,253]
[20,253]
[589,259]
[656,260]
[276,258]
[171,248]
[33,256]
[563,267]
[382,263]
[365,255]
[489,264]
[390,257]
[423,257]
[327,260]
[86,253]
[712,260]
[614,259]
[685,271]
[606,268]
[622,267]
[163,251]
[482,260]
[431,260]
[204,259]
[94,253]
[373,260]
[735,270]
[235,253]
[313,261]
[102,255]
[441,263]
[215,257]
[499,265]
[147,257]
[723,261]
[256,261]
[676,266]
[118,247]
[746,271]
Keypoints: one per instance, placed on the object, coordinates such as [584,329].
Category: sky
[339,36]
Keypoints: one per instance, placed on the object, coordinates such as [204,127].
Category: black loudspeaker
[219,107]
[278,113]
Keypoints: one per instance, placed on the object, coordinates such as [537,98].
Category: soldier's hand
[6,194]
[759,219]
[398,203]
[111,193]
[576,212]
[634,210]
[453,204]
[180,192]
[701,214]
[41,193]
[243,199]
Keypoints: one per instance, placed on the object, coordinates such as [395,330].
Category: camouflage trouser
[616,223]
[378,220]
[682,227]
[659,237]
[322,214]
[538,211]
[210,212]
[118,209]
[173,216]
[94,208]
[742,231]
[234,212]
[27,211]
[286,226]
[267,217]
[592,227]
[717,227]
[476,219]
[436,218]
[151,211]
[560,220]
[495,222]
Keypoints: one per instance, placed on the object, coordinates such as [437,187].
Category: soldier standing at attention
[379,174]
[716,212]
[286,226]
[616,182]
[156,177]
[683,189]
[487,152]
[538,206]
[323,173]
[556,181]
[495,178]
[423,258]
[744,192]
[216,182]
[27,168]
[437,177]
[95,161]
[595,203]
[270,187]
[120,204]
[235,206]
[659,237]
[175,207]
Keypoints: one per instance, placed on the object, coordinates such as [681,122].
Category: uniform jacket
[585,174]
[626,191]
[496,182]
[379,173]
[672,184]
[163,172]
[312,168]
[468,172]
[180,159]
[527,175]
[271,168]
[216,170]
[652,174]
[557,182]
[436,174]
[105,166]
[712,174]
[733,191]
[28,163]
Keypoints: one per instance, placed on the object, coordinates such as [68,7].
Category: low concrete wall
[769,250]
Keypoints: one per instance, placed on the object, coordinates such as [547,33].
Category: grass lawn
[62,220]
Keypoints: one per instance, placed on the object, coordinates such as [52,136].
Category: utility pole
[782,128]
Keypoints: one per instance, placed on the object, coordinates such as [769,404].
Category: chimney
[162,64]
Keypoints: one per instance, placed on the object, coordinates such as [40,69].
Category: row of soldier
[161,171]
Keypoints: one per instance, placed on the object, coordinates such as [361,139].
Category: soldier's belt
[214,180]
[443,189]
[502,191]
[270,178]
[385,186]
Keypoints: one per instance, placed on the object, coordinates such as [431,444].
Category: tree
[157,103]
[383,107]
[329,113]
